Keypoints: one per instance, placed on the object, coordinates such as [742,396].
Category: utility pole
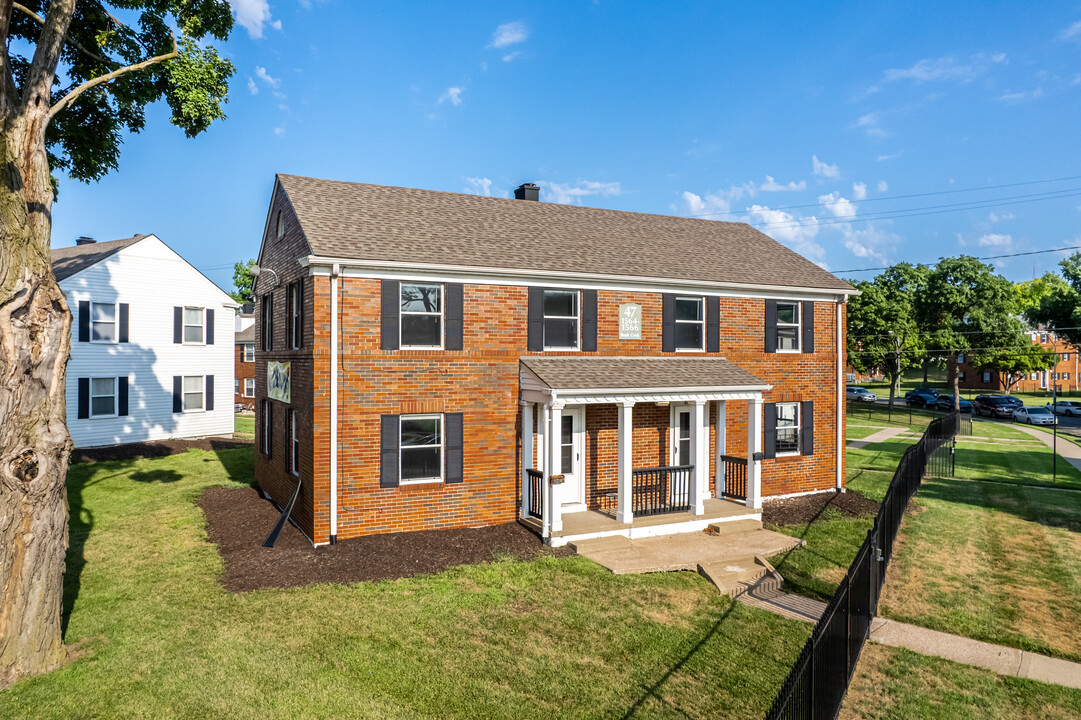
[1054,415]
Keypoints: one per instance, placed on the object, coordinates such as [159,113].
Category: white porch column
[754,450]
[718,469]
[542,453]
[700,458]
[527,454]
[555,466]
[625,423]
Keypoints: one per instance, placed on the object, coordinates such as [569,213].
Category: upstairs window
[103,322]
[421,321]
[421,454]
[294,314]
[561,320]
[788,327]
[788,428]
[690,323]
[266,310]
[249,352]
[280,226]
[193,325]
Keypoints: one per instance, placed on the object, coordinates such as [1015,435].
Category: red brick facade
[481,382]
[1062,375]
[244,371]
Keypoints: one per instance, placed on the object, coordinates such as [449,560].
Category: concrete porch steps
[736,576]
[734,526]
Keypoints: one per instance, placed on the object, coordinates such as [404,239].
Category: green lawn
[897,683]
[854,432]
[547,638]
[245,425]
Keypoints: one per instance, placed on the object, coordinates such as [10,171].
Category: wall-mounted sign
[278,386]
[630,321]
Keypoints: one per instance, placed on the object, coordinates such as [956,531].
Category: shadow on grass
[238,461]
[1058,509]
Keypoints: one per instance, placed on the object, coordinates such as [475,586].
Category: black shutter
[392,305]
[178,394]
[123,323]
[769,430]
[589,320]
[453,310]
[209,326]
[84,321]
[713,324]
[807,427]
[389,434]
[535,325]
[668,322]
[84,398]
[771,326]
[452,442]
[122,396]
[178,324]
[209,392]
[808,326]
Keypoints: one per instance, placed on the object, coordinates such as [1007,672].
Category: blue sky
[803,120]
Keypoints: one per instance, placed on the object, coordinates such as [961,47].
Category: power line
[985,257]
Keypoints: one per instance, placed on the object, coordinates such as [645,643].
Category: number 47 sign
[630,321]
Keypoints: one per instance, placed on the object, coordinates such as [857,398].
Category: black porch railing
[535,506]
[817,684]
[735,477]
[661,490]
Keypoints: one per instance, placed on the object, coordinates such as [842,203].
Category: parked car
[993,406]
[852,392]
[1016,401]
[920,400]
[1034,415]
[922,391]
[1069,408]
[945,402]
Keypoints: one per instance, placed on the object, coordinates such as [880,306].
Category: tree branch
[70,97]
[41,21]
[39,79]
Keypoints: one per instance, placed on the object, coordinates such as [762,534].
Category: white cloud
[771,186]
[869,123]
[262,74]
[711,204]
[823,170]
[1018,97]
[252,86]
[837,205]
[572,193]
[280,130]
[999,217]
[883,186]
[944,68]
[479,186]
[511,56]
[859,191]
[994,240]
[453,94]
[509,34]
[252,15]
[798,233]
[1071,32]
[869,242]
[891,156]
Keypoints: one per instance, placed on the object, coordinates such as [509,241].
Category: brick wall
[1065,371]
[243,371]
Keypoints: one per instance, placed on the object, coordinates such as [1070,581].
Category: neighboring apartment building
[244,384]
[1063,375]
[431,360]
[148,357]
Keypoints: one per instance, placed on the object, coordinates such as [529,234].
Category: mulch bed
[238,521]
[157,448]
[807,508]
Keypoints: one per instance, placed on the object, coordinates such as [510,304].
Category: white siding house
[151,346]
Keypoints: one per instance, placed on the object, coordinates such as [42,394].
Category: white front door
[682,417]
[571,438]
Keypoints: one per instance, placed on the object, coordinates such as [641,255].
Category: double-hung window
[788,327]
[193,393]
[102,397]
[295,321]
[266,308]
[690,331]
[249,352]
[421,323]
[421,453]
[103,322]
[267,425]
[294,444]
[249,387]
[193,325]
[788,424]
[561,320]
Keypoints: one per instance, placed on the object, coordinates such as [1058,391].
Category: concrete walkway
[880,436]
[1067,450]
[996,658]
[685,551]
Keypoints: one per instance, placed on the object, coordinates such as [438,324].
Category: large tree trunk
[34,442]
[956,385]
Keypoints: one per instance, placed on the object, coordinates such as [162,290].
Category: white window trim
[245,388]
[577,320]
[702,322]
[249,358]
[985,377]
[798,325]
[267,429]
[115,396]
[116,323]
[442,317]
[184,395]
[799,425]
[280,229]
[296,315]
[184,325]
[442,449]
[294,442]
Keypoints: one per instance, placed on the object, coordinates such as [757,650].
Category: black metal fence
[735,477]
[661,490]
[536,492]
[818,681]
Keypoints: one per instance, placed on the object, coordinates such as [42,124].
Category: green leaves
[198,87]
[243,282]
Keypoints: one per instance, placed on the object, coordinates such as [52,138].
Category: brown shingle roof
[376,222]
[70,260]
[247,335]
[580,373]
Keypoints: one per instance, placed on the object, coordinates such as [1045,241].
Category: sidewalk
[880,436]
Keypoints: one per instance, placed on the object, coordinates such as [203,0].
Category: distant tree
[1014,362]
[243,282]
[1057,304]
[883,329]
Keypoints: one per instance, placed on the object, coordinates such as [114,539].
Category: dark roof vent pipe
[84,240]
[527,191]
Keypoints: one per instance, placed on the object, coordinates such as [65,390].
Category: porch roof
[605,379]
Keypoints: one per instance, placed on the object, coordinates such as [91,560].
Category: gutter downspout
[334,404]
[840,398]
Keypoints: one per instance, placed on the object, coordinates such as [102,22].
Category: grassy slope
[546,638]
[245,424]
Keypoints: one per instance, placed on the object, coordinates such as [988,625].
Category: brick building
[1063,375]
[245,367]
[434,360]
